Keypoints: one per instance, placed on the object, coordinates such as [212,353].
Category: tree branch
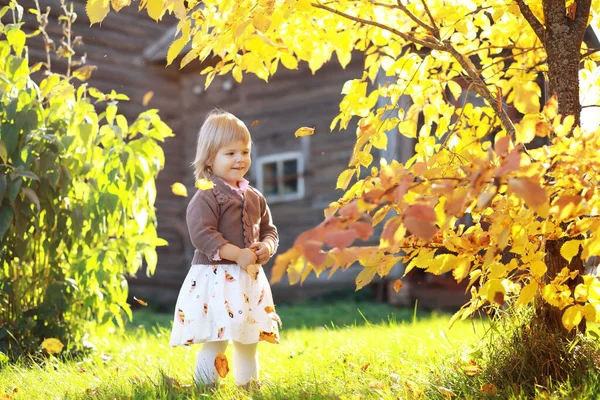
[403,35]
[589,53]
[412,16]
[481,88]
[430,17]
[537,26]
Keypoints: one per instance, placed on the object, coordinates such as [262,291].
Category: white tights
[245,362]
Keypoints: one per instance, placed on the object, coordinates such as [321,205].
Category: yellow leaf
[572,316]
[204,184]
[397,285]
[442,264]
[570,249]
[97,10]
[221,365]
[179,44]
[179,189]
[527,98]
[462,269]
[472,368]
[489,389]
[365,277]
[527,293]
[304,131]
[455,88]
[84,73]
[155,9]
[147,98]
[551,108]
[3,152]
[447,393]
[538,268]
[52,345]
[289,61]
[344,179]
[261,22]
[118,4]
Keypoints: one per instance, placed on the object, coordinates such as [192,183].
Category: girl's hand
[262,251]
[245,257]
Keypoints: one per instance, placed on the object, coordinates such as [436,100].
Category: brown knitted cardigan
[219,215]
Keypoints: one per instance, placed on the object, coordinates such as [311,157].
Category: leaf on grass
[221,365]
[365,367]
[472,368]
[304,131]
[447,393]
[397,285]
[489,389]
[52,345]
[179,189]
[142,302]
[377,385]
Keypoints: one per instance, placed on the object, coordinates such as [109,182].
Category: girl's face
[232,162]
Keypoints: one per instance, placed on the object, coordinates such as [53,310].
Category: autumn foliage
[478,199]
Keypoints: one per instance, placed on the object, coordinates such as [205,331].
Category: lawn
[341,350]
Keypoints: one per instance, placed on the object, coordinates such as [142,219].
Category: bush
[77,190]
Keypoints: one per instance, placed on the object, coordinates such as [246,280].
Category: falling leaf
[270,337]
[304,131]
[397,285]
[221,365]
[489,389]
[52,345]
[179,189]
[204,184]
[142,302]
[147,97]
[255,123]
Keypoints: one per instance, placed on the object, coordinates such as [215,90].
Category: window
[280,177]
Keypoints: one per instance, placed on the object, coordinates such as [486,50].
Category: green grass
[327,351]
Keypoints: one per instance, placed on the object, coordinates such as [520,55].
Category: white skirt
[223,302]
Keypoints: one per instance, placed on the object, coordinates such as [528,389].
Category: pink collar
[243,185]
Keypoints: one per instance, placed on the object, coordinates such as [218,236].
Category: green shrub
[77,190]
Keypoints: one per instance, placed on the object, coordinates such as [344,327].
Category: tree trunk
[563,38]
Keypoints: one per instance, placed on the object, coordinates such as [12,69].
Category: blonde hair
[219,129]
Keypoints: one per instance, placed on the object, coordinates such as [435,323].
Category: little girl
[226,295]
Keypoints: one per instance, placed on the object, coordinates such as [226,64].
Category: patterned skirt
[224,302]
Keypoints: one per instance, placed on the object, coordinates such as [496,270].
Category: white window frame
[279,159]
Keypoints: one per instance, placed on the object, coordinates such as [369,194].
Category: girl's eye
[246,153]
[229,154]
